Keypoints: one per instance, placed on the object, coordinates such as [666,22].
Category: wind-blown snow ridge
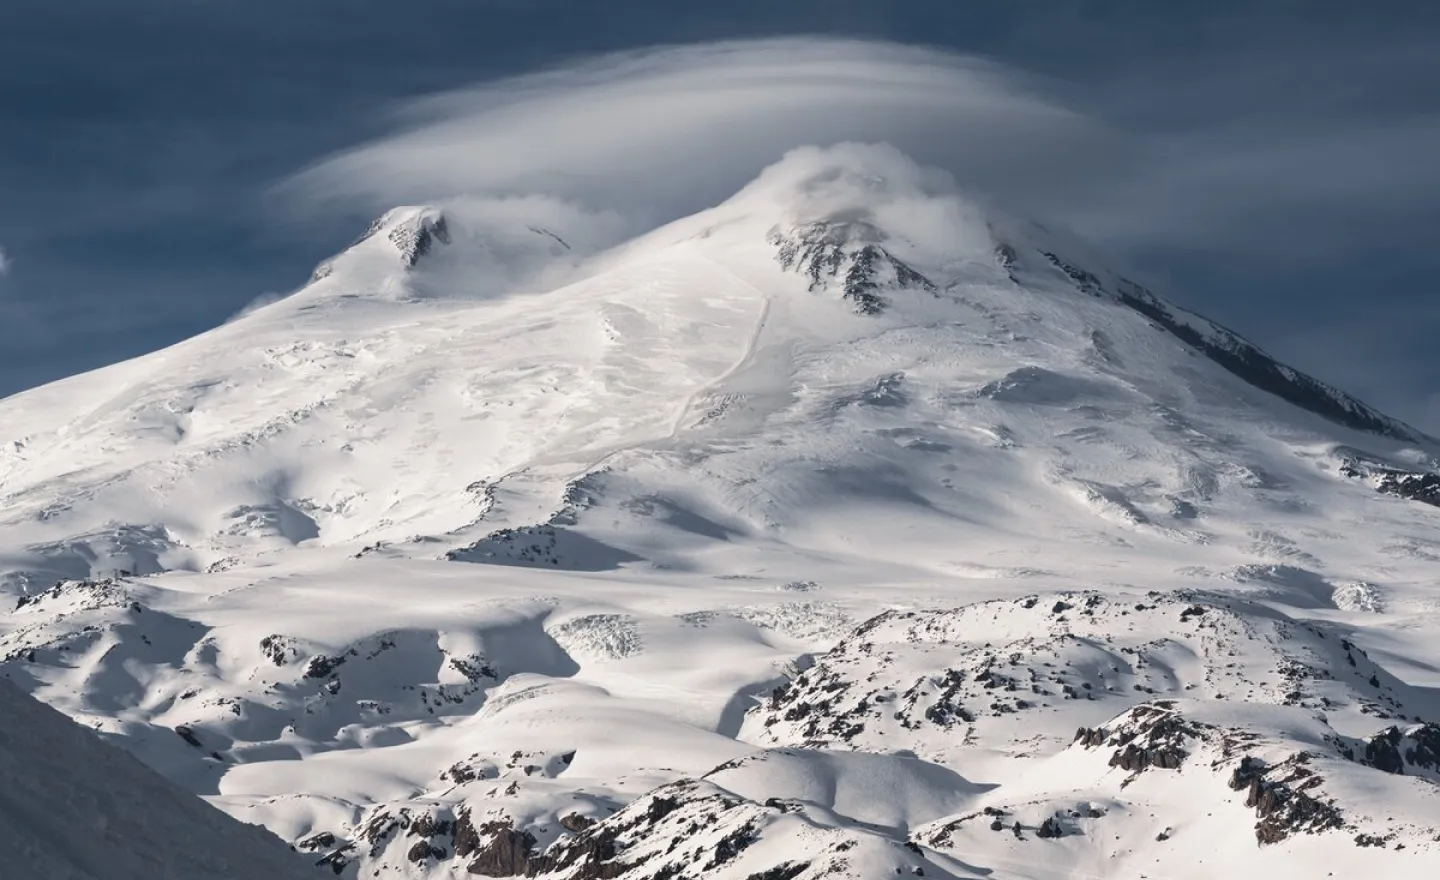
[845,528]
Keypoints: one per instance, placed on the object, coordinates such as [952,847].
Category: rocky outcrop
[79,595]
[546,545]
[1285,797]
[690,828]
[280,649]
[1419,486]
[849,257]
[923,677]
[574,822]
[1412,750]
[1150,735]
[414,232]
[416,236]
[787,871]
[498,849]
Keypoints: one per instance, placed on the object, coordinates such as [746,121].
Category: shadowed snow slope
[73,806]
[796,538]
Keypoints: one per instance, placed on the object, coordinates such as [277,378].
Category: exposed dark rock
[731,846]
[418,236]
[547,545]
[784,871]
[473,668]
[422,850]
[461,773]
[550,235]
[467,837]
[1245,773]
[834,703]
[850,255]
[1090,737]
[1394,750]
[280,649]
[93,594]
[591,855]
[1085,280]
[338,860]
[1382,751]
[509,853]
[1282,799]
[321,665]
[381,827]
[1150,735]
[661,807]
[1134,758]
[188,735]
[428,825]
[576,822]
[498,849]
[1413,485]
[319,841]
[1284,811]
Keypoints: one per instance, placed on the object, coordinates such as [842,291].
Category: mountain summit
[845,528]
[408,394]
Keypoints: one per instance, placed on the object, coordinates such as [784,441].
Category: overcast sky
[1271,162]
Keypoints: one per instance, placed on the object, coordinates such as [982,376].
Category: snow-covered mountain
[847,528]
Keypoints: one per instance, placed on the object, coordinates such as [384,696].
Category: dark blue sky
[1290,188]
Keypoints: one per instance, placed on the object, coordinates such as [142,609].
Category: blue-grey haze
[1298,199]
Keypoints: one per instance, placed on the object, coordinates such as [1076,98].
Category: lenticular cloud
[661,133]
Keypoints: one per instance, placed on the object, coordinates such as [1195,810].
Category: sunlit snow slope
[494,551]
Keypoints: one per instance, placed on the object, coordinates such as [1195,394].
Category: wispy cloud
[18,322]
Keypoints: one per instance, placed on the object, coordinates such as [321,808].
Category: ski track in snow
[746,358]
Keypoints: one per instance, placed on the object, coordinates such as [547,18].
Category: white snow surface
[794,539]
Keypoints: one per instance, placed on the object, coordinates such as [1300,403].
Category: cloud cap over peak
[665,132]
